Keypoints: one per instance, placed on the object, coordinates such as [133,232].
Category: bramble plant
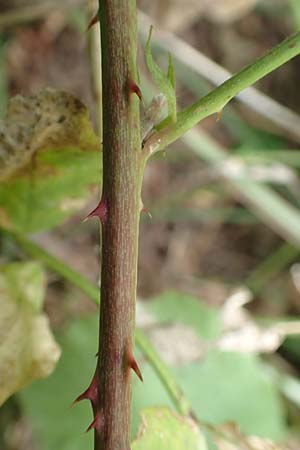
[67,157]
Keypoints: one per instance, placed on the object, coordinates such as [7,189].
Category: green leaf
[235,387]
[178,307]
[154,395]
[49,160]
[171,71]
[52,420]
[224,387]
[27,348]
[164,430]
[165,83]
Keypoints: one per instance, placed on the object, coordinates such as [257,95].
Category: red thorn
[93,21]
[100,211]
[97,422]
[91,393]
[133,87]
[134,366]
[143,209]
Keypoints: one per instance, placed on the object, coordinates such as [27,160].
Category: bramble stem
[123,166]
[215,101]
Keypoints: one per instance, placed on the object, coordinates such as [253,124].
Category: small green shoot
[166,83]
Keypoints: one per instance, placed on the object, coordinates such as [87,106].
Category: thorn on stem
[100,211]
[143,209]
[133,87]
[91,393]
[93,21]
[133,365]
[97,423]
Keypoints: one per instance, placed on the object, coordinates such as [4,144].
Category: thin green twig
[180,402]
[283,256]
[215,101]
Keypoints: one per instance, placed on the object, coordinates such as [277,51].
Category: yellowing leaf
[49,158]
[27,347]
[49,119]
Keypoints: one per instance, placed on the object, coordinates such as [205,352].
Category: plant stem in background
[278,214]
[280,258]
[94,50]
[215,101]
[119,212]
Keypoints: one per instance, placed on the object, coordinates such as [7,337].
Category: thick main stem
[122,176]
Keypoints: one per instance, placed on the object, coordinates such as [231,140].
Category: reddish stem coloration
[133,87]
[118,211]
[100,211]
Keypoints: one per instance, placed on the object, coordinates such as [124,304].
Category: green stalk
[283,256]
[169,382]
[92,292]
[215,101]
[58,266]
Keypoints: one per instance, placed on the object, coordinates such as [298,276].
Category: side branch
[215,101]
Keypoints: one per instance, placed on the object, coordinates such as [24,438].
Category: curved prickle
[97,423]
[133,87]
[93,21]
[100,211]
[91,393]
[134,365]
[145,210]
